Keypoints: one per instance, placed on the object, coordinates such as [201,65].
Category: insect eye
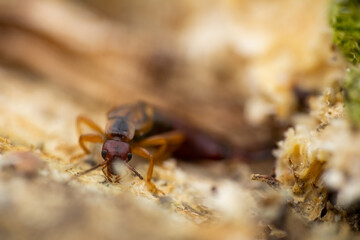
[129,156]
[103,153]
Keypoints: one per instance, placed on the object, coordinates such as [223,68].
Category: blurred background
[238,69]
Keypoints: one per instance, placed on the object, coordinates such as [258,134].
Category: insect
[132,128]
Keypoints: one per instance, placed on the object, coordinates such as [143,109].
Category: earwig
[133,128]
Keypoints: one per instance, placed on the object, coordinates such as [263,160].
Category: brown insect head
[113,149]
[116,149]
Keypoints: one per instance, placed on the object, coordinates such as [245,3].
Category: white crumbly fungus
[321,154]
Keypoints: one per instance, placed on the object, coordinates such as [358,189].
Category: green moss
[352,94]
[345,21]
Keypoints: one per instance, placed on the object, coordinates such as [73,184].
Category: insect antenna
[93,168]
[134,170]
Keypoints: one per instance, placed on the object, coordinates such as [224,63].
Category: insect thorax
[120,127]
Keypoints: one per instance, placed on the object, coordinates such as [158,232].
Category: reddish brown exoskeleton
[134,127]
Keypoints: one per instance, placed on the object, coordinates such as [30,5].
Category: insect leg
[164,140]
[142,152]
[104,170]
[109,175]
[85,120]
[173,138]
[93,138]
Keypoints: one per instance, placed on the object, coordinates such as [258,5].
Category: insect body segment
[120,127]
[130,120]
